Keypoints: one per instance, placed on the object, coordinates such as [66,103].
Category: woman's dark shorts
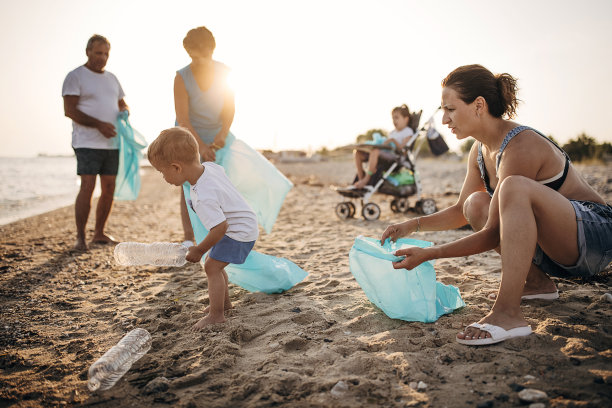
[594,243]
[97,161]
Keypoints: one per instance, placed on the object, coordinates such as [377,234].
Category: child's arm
[392,140]
[214,235]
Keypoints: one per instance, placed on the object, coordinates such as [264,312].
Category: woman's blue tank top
[205,106]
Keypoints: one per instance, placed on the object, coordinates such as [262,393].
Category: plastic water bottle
[109,368]
[156,254]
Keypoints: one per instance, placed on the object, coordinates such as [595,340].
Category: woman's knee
[513,187]
[476,208]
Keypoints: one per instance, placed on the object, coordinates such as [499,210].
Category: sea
[35,185]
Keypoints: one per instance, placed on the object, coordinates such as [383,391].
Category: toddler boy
[231,222]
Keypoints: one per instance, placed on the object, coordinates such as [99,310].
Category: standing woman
[203,102]
[522,197]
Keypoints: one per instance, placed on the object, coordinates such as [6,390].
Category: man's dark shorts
[97,161]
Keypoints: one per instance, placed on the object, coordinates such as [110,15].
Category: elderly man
[93,98]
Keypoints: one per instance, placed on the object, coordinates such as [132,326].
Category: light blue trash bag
[259,272]
[412,295]
[127,183]
[259,182]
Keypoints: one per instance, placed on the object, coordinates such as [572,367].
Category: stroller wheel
[345,210]
[403,205]
[370,211]
[352,208]
[400,205]
[394,205]
[426,206]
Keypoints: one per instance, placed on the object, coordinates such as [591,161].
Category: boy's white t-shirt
[215,199]
[402,135]
[99,95]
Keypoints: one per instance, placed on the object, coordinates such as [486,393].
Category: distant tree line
[582,148]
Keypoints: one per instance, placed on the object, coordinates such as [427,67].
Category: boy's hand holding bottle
[194,254]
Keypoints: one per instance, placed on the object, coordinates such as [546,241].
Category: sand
[322,343]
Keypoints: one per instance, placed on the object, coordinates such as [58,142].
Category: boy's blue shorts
[594,243]
[231,251]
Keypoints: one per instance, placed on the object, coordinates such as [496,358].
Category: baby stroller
[395,176]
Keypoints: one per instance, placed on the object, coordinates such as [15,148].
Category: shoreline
[62,310]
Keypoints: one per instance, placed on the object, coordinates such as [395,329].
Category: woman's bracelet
[214,146]
[418,224]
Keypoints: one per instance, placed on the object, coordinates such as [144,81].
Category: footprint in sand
[296,344]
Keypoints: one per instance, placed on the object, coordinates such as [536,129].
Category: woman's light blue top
[205,106]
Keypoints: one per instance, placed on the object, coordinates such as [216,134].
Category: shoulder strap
[483,170]
[505,142]
[515,132]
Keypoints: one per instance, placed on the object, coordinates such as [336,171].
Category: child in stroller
[403,136]
[391,171]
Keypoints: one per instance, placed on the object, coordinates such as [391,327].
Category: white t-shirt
[99,94]
[402,135]
[215,199]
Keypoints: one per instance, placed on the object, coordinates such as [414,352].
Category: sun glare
[231,81]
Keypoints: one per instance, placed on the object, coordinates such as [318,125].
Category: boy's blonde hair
[176,144]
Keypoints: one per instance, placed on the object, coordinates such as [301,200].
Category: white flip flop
[498,334]
[543,296]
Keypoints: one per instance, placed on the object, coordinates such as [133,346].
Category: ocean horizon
[35,185]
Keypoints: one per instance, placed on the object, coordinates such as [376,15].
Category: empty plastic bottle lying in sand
[156,254]
[109,368]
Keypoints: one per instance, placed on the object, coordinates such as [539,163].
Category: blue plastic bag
[378,139]
[412,295]
[259,182]
[265,273]
[127,183]
[259,272]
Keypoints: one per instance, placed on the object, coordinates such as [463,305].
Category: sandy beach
[320,344]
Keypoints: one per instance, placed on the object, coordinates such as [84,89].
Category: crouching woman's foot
[494,328]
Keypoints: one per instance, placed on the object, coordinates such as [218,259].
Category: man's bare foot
[103,239]
[80,245]
[205,321]
[497,319]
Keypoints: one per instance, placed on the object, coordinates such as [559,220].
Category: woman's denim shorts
[231,251]
[594,243]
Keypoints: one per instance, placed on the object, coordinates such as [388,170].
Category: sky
[308,74]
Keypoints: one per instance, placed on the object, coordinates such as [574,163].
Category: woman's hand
[414,256]
[219,141]
[207,153]
[394,232]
